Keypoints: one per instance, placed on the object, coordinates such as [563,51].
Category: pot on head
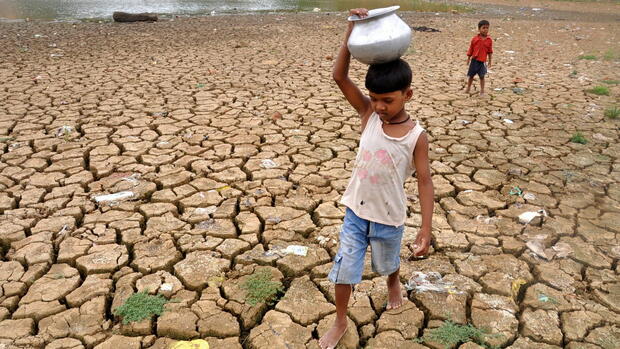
[380,37]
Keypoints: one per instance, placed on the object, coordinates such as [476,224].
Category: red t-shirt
[480,47]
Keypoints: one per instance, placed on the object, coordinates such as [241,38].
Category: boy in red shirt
[480,47]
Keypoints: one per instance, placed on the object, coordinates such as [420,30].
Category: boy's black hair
[483,22]
[388,77]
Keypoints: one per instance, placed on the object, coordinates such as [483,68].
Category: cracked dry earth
[232,141]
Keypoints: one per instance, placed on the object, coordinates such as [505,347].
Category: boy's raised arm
[351,92]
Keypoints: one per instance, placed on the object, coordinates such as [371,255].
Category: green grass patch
[612,112]
[610,55]
[578,137]
[599,90]
[261,289]
[588,57]
[611,82]
[140,306]
[450,334]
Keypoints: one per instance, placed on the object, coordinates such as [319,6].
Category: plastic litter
[544,298]
[316,9]
[508,121]
[297,250]
[205,210]
[64,131]
[431,281]
[527,217]
[208,224]
[166,287]
[134,178]
[516,191]
[497,114]
[509,52]
[529,196]
[516,286]
[268,163]
[291,249]
[538,248]
[274,220]
[486,219]
[195,344]
[121,195]
[562,249]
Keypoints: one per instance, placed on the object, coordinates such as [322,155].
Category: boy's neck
[483,35]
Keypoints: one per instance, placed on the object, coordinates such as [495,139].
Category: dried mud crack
[181,157]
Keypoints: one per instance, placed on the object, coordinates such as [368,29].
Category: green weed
[611,82]
[140,306]
[450,334]
[599,90]
[612,112]
[610,55]
[578,137]
[588,57]
[573,74]
[261,289]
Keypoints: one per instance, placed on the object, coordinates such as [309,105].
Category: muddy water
[80,9]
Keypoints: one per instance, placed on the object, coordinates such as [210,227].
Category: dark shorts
[477,67]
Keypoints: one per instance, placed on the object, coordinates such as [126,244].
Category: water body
[89,9]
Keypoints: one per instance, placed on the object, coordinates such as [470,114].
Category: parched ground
[230,143]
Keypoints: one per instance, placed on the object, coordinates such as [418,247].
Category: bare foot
[332,337]
[467,91]
[395,296]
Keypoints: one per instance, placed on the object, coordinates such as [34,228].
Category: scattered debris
[431,281]
[274,220]
[64,131]
[508,121]
[538,248]
[166,287]
[544,298]
[529,196]
[516,286]
[160,114]
[268,163]
[562,249]
[425,29]
[122,195]
[291,249]
[316,9]
[208,224]
[510,52]
[133,179]
[486,219]
[56,55]
[276,116]
[518,90]
[516,191]
[205,210]
[527,217]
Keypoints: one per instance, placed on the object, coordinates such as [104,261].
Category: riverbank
[233,141]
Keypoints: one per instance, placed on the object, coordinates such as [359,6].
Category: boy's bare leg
[482,86]
[395,296]
[469,82]
[332,337]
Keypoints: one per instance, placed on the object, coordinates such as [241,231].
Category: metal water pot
[380,37]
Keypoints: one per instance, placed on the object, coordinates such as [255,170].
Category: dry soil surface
[228,142]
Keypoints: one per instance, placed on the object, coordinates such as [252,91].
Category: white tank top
[383,163]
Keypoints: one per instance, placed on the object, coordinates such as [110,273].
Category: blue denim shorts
[477,67]
[355,236]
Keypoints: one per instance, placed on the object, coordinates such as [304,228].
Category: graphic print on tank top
[375,191]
